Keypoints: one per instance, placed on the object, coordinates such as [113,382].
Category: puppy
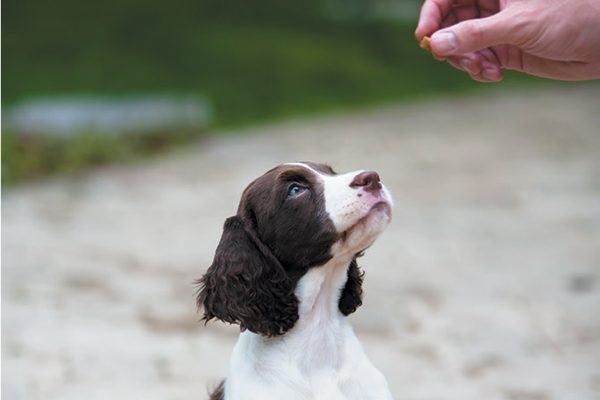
[285,270]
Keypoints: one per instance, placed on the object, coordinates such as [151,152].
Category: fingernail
[490,71]
[465,64]
[443,42]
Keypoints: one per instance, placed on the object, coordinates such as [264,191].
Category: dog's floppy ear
[351,297]
[247,285]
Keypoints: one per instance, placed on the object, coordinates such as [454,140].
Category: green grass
[247,71]
[253,62]
[27,157]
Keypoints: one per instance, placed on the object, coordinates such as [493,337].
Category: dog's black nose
[368,180]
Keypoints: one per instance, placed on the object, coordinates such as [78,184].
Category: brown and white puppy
[285,270]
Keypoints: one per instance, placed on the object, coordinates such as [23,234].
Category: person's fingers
[561,70]
[491,68]
[488,7]
[449,21]
[433,12]
[465,12]
[491,72]
[481,67]
[455,63]
[490,56]
[460,12]
[458,63]
[470,63]
[473,35]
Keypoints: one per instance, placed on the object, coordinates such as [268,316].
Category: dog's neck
[319,291]
[321,326]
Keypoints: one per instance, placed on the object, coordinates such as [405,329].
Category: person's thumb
[473,35]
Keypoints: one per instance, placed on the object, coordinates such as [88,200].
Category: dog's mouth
[377,209]
[380,206]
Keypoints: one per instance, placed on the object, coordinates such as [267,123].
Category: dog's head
[294,217]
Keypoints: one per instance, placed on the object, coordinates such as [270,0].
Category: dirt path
[485,286]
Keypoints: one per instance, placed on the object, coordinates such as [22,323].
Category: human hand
[558,39]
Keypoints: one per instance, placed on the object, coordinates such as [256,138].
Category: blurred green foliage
[251,59]
[26,157]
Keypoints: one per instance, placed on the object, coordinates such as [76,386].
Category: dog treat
[426,43]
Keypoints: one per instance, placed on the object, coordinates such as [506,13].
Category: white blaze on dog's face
[359,206]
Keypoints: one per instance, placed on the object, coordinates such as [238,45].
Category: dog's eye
[295,189]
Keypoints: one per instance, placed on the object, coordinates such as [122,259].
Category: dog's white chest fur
[320,358]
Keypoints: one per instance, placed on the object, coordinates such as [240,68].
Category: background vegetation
[253,60]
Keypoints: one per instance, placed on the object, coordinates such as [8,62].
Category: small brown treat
[426,43]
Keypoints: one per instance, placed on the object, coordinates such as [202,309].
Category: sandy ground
[485,286]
